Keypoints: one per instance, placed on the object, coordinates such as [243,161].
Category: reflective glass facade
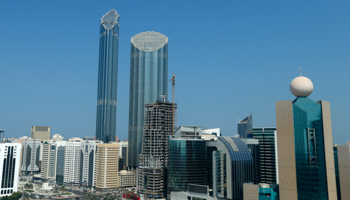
[265,161]
[107,77]
[241,165]
[148,80]
[309,150]
[187,164]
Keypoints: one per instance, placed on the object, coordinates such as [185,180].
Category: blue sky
[230,58]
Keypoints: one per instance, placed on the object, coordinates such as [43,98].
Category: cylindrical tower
[148,80]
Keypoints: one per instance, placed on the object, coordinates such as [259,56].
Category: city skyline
[246,66]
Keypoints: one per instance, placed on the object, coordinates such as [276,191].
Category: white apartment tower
[72,162]
[10,154]
[30,156]
[87,162]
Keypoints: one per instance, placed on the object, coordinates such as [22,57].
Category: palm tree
[62,189]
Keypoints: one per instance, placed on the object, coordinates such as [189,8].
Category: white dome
[301,86]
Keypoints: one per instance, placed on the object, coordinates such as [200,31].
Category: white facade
[53,158]
[45,161]
[10,154]
[72,162]
[88,155]
[57,137]
[30,156]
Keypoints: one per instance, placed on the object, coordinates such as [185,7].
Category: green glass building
[305,146]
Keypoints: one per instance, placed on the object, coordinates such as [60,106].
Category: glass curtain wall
[148,80]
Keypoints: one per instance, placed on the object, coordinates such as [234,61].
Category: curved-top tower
[148,80]
[107,77]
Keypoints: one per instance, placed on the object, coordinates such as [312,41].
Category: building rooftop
[149,41]
[110,19]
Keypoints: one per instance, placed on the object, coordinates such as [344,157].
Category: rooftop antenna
[300,71]
[173,110]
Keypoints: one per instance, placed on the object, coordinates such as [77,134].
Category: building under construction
[158,126]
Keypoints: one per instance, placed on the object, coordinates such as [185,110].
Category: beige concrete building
[126,178]
[301,124]
[45,162]
[40,132]
[107,160]
[250,191]
[343,154]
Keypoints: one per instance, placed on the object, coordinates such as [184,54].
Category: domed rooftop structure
[301,86]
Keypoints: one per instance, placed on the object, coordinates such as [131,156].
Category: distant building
[30,156]
[126,178]
[87,162]
[57,137]
[254,147]
[154,154]
[342,170]
[45,163]
[60,165]
[123,154]
[9,164]
[72,162]
[267,159]
[245,126]
[107,77]
[1,135]
[89,137]
[148,80]
[40,132]
[305,146]
[107,166]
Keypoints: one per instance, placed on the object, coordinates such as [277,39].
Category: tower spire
[300,71]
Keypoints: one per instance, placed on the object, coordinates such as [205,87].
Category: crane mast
[173,110]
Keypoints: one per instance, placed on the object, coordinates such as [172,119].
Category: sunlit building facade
[107,77]
[305,146]
[148,80]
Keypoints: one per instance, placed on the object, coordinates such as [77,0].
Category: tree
[62,189]
[26,196]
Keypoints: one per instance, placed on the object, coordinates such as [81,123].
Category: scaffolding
[153,159]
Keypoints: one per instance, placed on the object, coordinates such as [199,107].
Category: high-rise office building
[107,166]
[267,158]
[30,156]
[72,162]
[148,80]
[245,126]
[154,154]
[45,163]
[342,170]
[1,135]
[9,164]
[305,146]
[87,162]
[40,132]
[107,77]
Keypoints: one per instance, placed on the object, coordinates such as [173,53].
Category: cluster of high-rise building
[295,160]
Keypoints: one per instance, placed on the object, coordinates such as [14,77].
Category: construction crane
[173,110]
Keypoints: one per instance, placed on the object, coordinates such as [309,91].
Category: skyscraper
[305,146]
[245,126]
[148,80]
[107,77]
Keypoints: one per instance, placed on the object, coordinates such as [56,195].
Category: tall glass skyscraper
[107,77]
[148,80]
[305,146]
